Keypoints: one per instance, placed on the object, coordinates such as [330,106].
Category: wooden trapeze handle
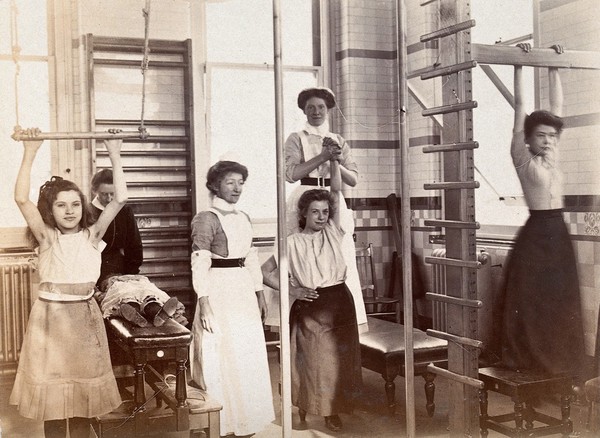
[20,135]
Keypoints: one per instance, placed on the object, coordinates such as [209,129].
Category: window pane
[241,31]
[493,119]
[33,112]
[30,33]
[242,127]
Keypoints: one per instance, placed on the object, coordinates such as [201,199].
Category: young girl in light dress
[64,369]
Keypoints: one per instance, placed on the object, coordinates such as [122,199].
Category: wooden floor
[370,418]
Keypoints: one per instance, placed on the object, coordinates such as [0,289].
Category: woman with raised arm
[542,323]
[64,369]
[326,368]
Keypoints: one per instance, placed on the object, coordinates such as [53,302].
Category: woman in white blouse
[326,369]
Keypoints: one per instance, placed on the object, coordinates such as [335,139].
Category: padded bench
[159,346]
[382,350]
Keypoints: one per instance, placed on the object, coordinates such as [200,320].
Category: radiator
[484,293]
[16,287]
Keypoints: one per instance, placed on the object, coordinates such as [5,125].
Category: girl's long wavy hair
[310,196]
[49,192]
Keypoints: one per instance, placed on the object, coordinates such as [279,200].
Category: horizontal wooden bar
[458,185]
[446,223]
[453,108]
[156,168]
[136,122]
[455,338]
[452,262]
[137,63]
[456,377]
[451,147]
[510,55]
[450,30]
[158,184]
[453,300]
[161,200]
[19,135]
[148,152]
[444,71]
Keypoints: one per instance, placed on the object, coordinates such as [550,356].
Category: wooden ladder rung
[451,147]
[452,185]
[454,300]
[455,338]
[163,199]
[155,168]
[456,377]
[444,71]
[450,30]
[453,108]
[158,184]
[452,262]
[148,152]
[446,223]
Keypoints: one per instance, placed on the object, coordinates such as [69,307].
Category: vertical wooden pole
[459,205]
[284,305]
[401,25]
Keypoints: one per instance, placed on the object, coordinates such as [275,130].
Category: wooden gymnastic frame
[456,64]
[20,134]
[284,305]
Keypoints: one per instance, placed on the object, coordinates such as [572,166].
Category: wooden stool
[523,388]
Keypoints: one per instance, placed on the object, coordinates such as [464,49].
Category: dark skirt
[542,325]
[326,370]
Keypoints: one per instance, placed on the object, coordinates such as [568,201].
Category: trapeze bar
[453,185]
[449,70]
[453,262]
[453,108]
[456,377]
[454,338]
[20,135]
[453,300]
[507,55]
[451,147]
[450,30]
[452,224]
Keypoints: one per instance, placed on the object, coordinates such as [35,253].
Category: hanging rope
[145,61]
[16,55]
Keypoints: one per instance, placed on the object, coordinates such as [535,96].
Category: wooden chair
[376,304]
[592,388]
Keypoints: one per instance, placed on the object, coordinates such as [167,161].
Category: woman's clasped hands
[332,149]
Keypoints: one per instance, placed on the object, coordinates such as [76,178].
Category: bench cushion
[387,338]
[170,334]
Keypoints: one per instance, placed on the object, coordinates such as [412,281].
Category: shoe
[333,423]
[302,414]
[166,312]
[130,314]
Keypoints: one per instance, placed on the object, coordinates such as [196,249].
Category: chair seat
[380,300]
[592,390]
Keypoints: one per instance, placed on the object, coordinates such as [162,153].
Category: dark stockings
[78,428]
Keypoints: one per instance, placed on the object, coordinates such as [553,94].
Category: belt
[63,298]
[320,182]
[228,263]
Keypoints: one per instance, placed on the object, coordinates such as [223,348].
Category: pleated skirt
[64,367]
